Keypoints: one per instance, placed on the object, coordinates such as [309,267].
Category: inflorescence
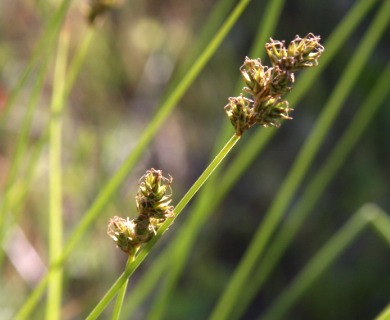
[153,205]
[267,85]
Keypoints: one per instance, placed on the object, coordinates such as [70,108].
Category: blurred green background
[133,56]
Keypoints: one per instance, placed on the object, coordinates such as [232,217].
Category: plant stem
[121,294]
[53,306]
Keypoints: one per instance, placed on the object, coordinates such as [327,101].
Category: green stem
[121,294]
[178,209]
[53,306]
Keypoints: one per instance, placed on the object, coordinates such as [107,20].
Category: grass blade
[321,261]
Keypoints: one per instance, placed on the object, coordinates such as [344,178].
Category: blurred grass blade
[382,226]
[45,43]
[121,295]
[385,314]
[119,301]
[17,189]
[315,188]
[322,260]
[53,305]
[22,142]
[273,216]
[43,50]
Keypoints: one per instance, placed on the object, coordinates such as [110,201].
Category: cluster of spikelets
[153,205]
[267,85]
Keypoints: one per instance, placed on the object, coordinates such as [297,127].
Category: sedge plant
[265,106]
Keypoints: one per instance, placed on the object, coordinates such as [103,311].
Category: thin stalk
[113,184]
[53,306]
[146,284]
[149,245]
[274,215]
[322,260]
[121,294]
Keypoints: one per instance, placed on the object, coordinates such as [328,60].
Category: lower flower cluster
[153,205]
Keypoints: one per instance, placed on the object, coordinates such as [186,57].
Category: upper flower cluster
[153,205]
[267,85]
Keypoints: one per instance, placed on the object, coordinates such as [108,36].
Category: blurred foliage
[135,52]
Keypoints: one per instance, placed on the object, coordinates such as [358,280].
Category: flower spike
[153,205]
[267,85]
